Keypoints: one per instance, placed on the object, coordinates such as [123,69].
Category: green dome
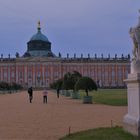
[39,45]
[39,36]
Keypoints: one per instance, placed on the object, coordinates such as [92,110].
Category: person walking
[30,92]
[58,91]
[45,93]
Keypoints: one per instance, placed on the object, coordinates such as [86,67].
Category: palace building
[39,66]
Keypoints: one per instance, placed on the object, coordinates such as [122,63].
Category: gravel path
[21,120]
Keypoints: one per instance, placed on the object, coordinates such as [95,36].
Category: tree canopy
[86,83]
[70,80]
[9,86]
[67,82]
[57,84]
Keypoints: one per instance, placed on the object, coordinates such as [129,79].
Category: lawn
[115,97]
[115,133]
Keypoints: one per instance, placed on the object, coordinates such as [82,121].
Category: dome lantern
[39,27]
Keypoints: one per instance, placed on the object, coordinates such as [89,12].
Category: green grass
[115,97]
[115,133]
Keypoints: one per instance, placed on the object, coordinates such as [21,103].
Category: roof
[39,36]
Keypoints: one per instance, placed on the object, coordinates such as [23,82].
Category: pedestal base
[131,125]
[132,118]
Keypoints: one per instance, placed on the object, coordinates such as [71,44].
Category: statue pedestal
[131,120]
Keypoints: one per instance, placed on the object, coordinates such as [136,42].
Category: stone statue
[135,48]
[131,121]
[135,35]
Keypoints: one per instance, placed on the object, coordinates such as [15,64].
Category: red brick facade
[41,71]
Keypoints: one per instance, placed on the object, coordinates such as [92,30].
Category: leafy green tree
[4,85]
[57,84]
[53,85]
[16,86]
[10,86]
[70,80]
[86,83]
[76,76]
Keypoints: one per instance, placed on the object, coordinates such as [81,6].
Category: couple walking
[45,93]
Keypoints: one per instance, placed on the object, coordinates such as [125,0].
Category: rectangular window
[47,73]
[30,72]
[5,74]
[56,74]
[20,74]
[12,74]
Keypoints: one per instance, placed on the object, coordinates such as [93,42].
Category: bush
[8,86]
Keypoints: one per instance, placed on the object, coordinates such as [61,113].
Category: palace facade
[39,66]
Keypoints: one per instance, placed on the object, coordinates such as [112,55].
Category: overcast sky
[72,26]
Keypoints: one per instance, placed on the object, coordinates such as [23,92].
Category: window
[5,74]
[119,71]
[20,74]
[47,73]
[12,74]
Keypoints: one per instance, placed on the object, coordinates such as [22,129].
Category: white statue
[135,48]
[135,35]
[131,120]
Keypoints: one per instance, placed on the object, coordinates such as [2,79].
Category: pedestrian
[45,93]
[30,92]
[58,93]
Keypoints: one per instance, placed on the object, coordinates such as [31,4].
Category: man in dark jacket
[58,93]
[30,92]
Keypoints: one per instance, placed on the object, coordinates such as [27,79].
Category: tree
[76,76]
[86,83]
[57,84]
[70,80]
[53,85]
[4,85]
[16,86]
[10,86]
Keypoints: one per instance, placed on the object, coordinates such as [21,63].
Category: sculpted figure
[135,47]
[135,35]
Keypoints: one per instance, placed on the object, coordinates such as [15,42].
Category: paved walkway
[21,120]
